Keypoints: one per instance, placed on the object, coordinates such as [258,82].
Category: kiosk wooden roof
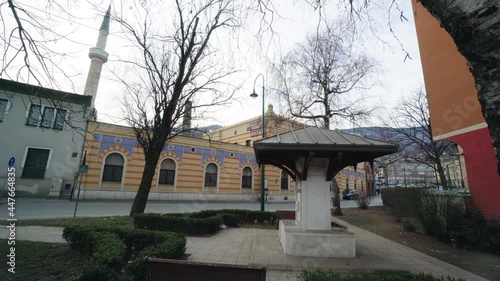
[342,150]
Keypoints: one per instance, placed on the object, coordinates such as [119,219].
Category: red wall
[484,182]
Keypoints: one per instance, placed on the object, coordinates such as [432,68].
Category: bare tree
[27,39]
[474,26]
[475,29]
[411,128]
[318,79]
[175,68]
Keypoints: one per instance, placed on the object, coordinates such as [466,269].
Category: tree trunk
[141,198]
[442,177]
[475,28]
[337,211]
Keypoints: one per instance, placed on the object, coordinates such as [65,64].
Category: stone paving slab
[35,233]
[262,247]
[373,253]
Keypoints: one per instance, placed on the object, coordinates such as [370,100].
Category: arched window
[113,168]
[167,172]
[246,178]
[284,180]
[211,175]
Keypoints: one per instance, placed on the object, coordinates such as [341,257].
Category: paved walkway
[39,208]
[260,246]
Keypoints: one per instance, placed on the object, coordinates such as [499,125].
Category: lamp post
[460,154]
[262,173]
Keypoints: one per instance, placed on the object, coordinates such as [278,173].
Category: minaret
[98,57]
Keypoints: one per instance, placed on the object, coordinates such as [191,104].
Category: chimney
[186,121]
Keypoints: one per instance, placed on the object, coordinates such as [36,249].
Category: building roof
[342,150]
[268,113]
[32,90]
[322,138]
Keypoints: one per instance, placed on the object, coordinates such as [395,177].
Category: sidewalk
[260,246]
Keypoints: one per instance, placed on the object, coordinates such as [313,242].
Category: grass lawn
[124,221]
[376,220]
[42,262]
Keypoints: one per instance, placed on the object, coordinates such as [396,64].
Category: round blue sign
[12,161]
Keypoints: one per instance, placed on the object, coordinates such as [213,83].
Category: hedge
[166,250]
[402,202]
[183,224]
[110,247]
[443,214]
[203,222]
[106,249]
[476,232]
[335,276]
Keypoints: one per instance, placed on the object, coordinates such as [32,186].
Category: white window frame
[47,166]
[122,183]
[218,176]
[7,107]
[241,179]
[42,109]
[175,175]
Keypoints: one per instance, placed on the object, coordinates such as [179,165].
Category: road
[34,208]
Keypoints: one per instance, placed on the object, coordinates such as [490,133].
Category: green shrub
[428,215]
[231,220]
[170,250]
[135,239]
[108,249]
[180,224]
[402,202]
[380,276]
[476,232]
[107,245]
[79,238]
[96,272]
[203,222]
[441,215]
[243,215]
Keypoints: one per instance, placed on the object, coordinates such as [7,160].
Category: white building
[43,129]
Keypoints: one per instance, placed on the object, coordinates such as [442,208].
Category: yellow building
[248,131]
[189,168]
[222,167]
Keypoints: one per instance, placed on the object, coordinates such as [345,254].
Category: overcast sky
[395,79]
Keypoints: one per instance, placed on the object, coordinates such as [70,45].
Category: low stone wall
[176,196]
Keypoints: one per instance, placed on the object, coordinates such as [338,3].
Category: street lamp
[460,154]
[262,175]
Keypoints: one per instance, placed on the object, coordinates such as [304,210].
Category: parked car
[350,194]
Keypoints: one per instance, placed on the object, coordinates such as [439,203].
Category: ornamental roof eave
[341,149]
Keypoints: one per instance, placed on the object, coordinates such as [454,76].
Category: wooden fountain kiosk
[312,157]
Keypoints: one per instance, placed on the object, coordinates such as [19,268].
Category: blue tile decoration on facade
[245,157]
[210,152]
[108,141]
[352,173]
[176,149]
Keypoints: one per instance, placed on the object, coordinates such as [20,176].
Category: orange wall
[450,86]
[455,111]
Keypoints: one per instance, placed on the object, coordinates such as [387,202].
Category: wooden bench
[285,215]
[181,270]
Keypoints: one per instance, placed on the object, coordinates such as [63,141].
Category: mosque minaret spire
[98,56]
